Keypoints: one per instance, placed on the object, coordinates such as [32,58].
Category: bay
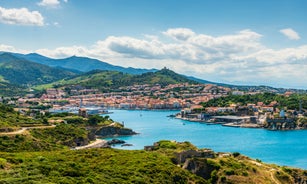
[278,147]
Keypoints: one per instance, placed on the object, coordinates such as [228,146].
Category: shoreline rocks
[114,131]
[115,141]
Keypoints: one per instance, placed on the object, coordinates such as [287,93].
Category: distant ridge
[79,65]
[19,71]
[83,64]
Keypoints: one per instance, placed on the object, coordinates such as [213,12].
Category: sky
[243,42]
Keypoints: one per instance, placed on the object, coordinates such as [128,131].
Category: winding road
[24,129]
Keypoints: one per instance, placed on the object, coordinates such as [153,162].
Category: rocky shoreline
[237,124]
[108,131]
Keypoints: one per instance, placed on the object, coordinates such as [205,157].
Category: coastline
[98,143]
[233,125]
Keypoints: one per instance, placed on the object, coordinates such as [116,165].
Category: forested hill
[105,80]
[19,71]
[291,102]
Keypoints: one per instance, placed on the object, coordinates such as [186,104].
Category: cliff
[113,130]
[225,167]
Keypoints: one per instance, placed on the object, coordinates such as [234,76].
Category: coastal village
[250,116]
[173,96]
[185,97]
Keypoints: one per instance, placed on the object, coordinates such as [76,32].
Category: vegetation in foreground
[42,155]
[106,165]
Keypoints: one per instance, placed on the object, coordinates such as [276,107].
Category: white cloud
[290,33]
[8,48]
[235,58]
[49,3]
[179,33]
[21,16]
[62,52]
[56,24]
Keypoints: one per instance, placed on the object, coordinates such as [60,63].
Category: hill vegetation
[10,119]
[46,139]
[42,155]
[136,166]
[106,80]
[7,89]
[291,102]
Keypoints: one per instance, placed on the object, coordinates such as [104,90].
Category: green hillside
[106,80]
[12,119]
[18,71]
[7,89]
[137,166]
[42,155]
[290,102]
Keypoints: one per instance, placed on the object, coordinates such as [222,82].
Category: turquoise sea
[278,147]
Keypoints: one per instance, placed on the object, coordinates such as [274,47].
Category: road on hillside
[24,129]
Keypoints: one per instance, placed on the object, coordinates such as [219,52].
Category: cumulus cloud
[21,16]
[179,33]
[49,3]
[290,33]
[9,48]
[234,58]
[62,52]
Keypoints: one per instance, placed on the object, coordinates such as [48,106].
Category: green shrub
[2,163]
[229,172]
[244,173]
[235,154]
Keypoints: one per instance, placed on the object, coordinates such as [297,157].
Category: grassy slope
[59,137]
[10,118]
[42,156]
[123,166]
[92,166]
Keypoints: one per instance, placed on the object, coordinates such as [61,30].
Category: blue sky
[231,41]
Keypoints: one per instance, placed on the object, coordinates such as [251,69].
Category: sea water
[278,147]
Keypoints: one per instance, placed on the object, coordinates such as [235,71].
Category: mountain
[79,65]
[22,72]
[112,80]
[82,64]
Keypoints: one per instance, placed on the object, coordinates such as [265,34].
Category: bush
[235,154]
[229,172]
[167,144]
[2,163]
[258,160]
[245,173]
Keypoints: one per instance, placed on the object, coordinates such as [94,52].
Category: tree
[95,119]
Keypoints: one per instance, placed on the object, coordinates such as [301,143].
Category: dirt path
[270,170]
[98,143]
[24,129]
